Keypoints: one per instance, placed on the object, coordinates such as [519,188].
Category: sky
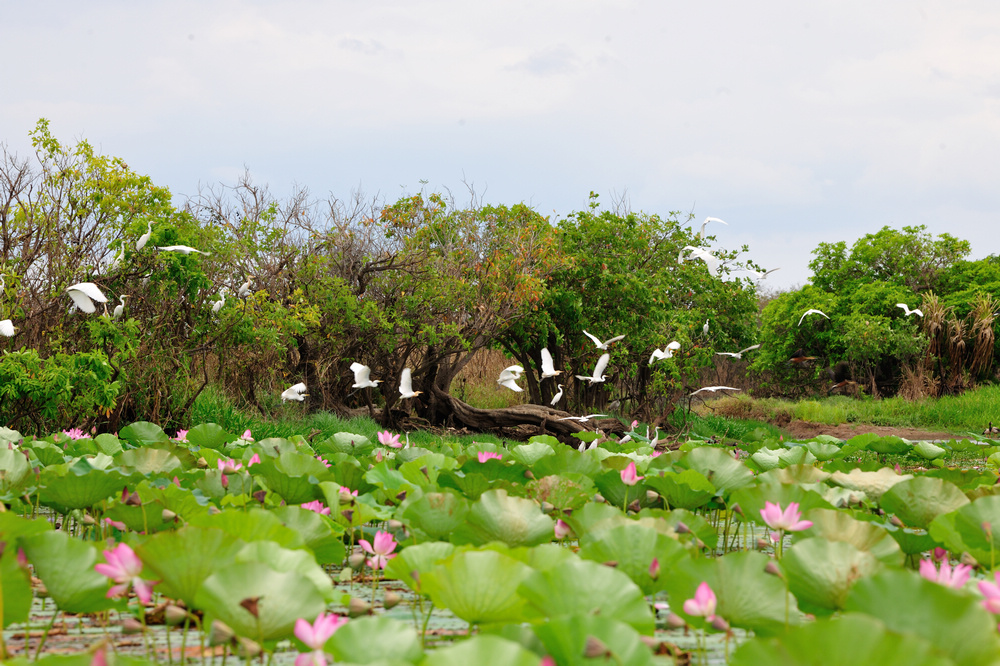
[796,123]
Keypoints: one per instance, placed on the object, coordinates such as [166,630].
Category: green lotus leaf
[13,436]
[595,516]
[688,489]
[147,518]
[390,480]
[928,450]
[14,470]
[496,471]
[531,453]
[282,597]
[13,527]
[841,526]
[498,517]
[748,597]
[889,445]
[46,452]
[873,484]
[953,621]
[540,558]
[561,491]
[565,461]
[920,500]
[433,515]
[283,559]
[666,522]
[252,525]
[580,587]
[15,593]
[321,535]
[142,432]
[849,640]
[209,436]
[482,650]
[108,444]
[412,453]
[806,475]
[480,587]
[182,560]
[721,470]
[371,639]
[962,530]
[347,442]
[820,572]
[633,547]
[861,442]
[565,639]
[78,485]
[821,451]
[768,459]
[413,562]
[148,461]
[66,566]
[752,500]
[420,473]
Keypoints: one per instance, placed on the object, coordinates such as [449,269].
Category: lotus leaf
[46,452]
[721,470]
[821,572]
[962,530]
[665,522]
[928,451]
[371,639]
[294,476]
[873,484]
[795,474]
[209,436]
[768,459]
[565,638]
[688,489]
[863,535]
[595,516]
[483,650]
[78,486]
[561,491]
[433,515]
[920,500]
[390,480]
[148,461]
[15,586]
[751,500]
[283,559]
[321,535]
[529,454]
[347,442]
[478,586]
[566,461]
[498,517]
[252,525]
[143,432]
[414,561]
[633,547]
[821,451]
[14,470]
[66,566]
[618,493]
[182,560]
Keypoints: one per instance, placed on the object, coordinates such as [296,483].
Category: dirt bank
[807,429]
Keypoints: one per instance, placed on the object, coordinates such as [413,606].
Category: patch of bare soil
[807,429]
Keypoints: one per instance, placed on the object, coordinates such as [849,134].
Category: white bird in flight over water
[598,375]
[603,345]
[362,376]
[701,232]
[84,294]
[406,385]
[738,354]
[809,312]
[558,396]
[180,249]
[296,392]
[668,352]
[907,311]
[713,389]
[548,367]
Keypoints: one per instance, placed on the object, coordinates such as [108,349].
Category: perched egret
[406,385]
[713,389]
[701,232]
[581,419]
[181,249]
[362,376]
[245,287]
[7,329]
[907,311]
[296,392]
[667,352]
[509,377]
[558,396]
[739,354]
[711,261]
[84,294]
[809,312]
[598,375]
[705,329]
[603,345]
[143,239]
[120,308]
[221,303]
[548,367]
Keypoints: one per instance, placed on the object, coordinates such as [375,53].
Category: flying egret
[710,259]
[84,294]
[548,367]
[245,287]
[143,239]
[581,419]
[809,312]
[510,383]
[598,375]
[701,232]
[221,303]
[406,385]
[181,249]
[558,396]
[296,392]
[713,389]
[739,354]
[362,376]
[509,377]
[668,352]
[7,329]
[120,308]
[603,345]
[907,311]
[758,275]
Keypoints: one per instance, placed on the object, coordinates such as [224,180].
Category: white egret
[120,308]
[907,311]
[581,419]
[221,303]
[510,383]
[809,312]
[603,345]
[181,249]
[705,329]
[739,354]
[714,266]
[406,385]
[701,232]
[548,367]
[598,375]
[245,287]
[558,396]
[758,275]
[84,294]
[667,352]
[509,377]
[713,389]
[362,376]
[143,239]
[295,392]
[7,328]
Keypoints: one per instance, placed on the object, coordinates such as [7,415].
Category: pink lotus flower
[386,438]
[123,567]
[946,576]
[228,465]
[788,520]
[319,458]
[654,569]
[315,636]
[378,455]
[254,459]
[316,506]
[382,550]
[562,529]
[117,524]
[991,590]
[347,492]
[246,435]
[483,456]
[181,436]
[703,603]
[939,554]
[629,475]
[76,433]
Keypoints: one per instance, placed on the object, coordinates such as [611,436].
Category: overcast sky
[794,122]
